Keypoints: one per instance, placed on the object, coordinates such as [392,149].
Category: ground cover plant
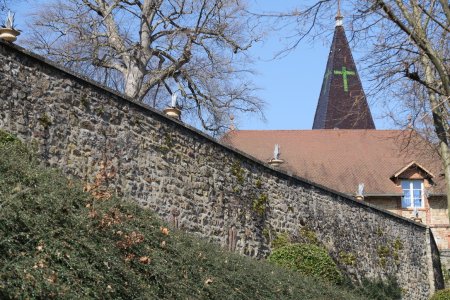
[58,241]
[441,295]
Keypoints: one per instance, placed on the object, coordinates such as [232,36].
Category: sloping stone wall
[198,184]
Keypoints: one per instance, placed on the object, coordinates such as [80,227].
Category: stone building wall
[391,204]
[439,211]
[198,184]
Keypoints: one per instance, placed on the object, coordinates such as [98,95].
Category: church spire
[342,102]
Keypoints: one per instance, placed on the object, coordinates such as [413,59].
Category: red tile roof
[341,159]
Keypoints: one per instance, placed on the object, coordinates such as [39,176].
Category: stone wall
[198,184]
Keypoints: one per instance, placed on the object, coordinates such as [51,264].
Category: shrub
[308,259]
[441,295]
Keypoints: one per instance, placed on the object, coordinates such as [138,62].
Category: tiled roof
[342,102]
[341,159]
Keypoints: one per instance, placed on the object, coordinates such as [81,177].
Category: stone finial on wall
[173,111]
[7,32]
[360,193]
[276,161]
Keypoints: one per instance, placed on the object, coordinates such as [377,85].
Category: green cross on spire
[344,74]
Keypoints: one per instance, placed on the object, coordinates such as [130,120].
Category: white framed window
[412,193]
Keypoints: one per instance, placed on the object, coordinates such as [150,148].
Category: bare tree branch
[157,46]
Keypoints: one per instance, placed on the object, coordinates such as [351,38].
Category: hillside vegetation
[57,241]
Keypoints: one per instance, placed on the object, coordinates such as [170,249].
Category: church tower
[342,102]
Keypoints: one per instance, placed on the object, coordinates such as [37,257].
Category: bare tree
[149,49]
[407,50]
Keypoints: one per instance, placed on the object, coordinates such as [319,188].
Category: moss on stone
[258,183]
[347,258]
[84,100]
[281,240]
[45,121]
[238,171]
[259,204]
[308,235]
[99,111]
[380,231]
[168,140]
[383,254]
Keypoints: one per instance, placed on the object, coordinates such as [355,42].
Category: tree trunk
[445,156]
[440,127]
[134,78]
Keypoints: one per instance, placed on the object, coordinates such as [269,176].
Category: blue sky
[290,85]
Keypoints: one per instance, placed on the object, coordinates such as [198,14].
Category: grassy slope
[56,241]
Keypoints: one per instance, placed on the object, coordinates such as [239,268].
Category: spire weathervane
[339,16]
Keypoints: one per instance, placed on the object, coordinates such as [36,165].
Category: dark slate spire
[342,102]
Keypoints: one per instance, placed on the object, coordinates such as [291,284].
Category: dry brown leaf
[165,230]
[53,278]
[144,260]
[93,214]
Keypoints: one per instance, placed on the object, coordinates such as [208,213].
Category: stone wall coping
[279,173]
